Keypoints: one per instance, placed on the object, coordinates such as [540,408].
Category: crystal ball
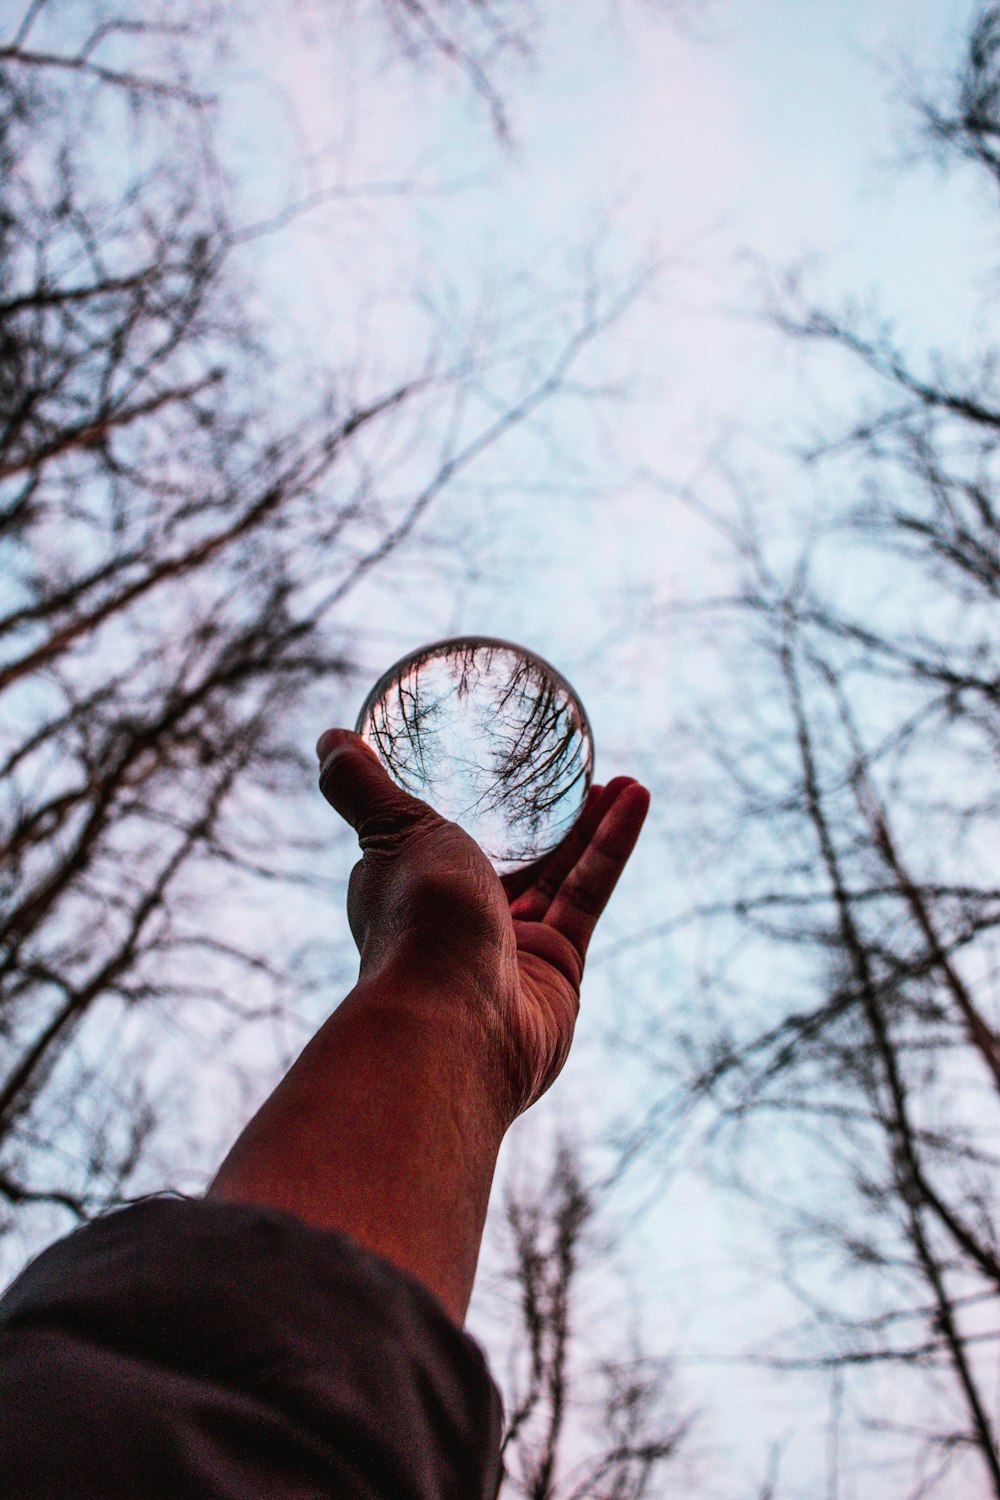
[491,736]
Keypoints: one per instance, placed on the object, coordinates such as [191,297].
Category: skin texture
[388,1125]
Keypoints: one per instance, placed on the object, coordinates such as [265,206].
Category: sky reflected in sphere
[491,736]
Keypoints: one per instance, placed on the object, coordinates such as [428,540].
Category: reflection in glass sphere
[491,736]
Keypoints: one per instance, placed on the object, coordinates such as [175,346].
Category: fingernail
[328,742]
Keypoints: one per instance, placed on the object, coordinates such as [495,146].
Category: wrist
[452,1026]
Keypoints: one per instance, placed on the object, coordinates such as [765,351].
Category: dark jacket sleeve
[190,1348]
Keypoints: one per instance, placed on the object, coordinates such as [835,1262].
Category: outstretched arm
[389,1124]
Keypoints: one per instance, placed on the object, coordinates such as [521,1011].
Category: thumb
[356,784]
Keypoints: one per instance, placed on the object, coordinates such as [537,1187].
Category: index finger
[548,872]
[587,887]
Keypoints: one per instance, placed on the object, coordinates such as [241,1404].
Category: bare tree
[846,1043]
[477,40]
[627,1405]
[180,525]
[481,41]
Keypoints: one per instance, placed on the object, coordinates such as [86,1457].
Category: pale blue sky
[761,131]
[766,129]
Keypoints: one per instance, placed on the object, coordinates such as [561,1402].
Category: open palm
[430,914]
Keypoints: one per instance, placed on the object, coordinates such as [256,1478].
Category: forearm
[387,1127]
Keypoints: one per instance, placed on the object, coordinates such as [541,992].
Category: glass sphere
[491,736]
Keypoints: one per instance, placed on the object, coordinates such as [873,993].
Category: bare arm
[389,1124]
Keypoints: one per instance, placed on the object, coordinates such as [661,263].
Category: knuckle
[582,898]
[388,829]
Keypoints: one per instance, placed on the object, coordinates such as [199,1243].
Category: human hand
[434,922]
